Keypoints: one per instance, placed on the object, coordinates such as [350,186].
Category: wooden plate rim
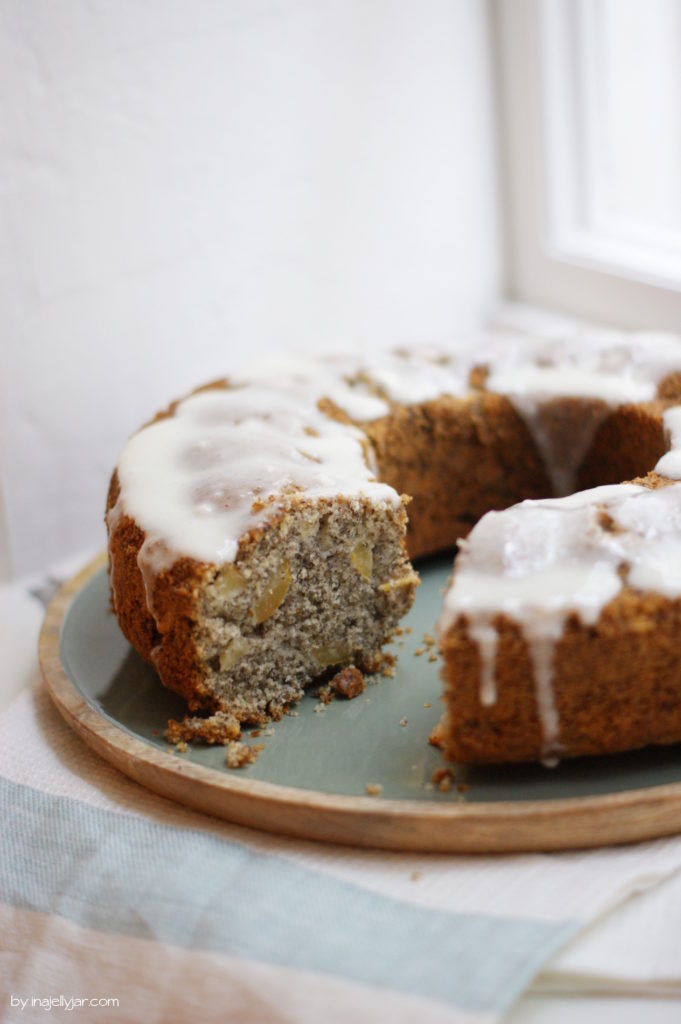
[495,826]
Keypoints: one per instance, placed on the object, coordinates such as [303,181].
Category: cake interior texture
[258,541]
[320,590]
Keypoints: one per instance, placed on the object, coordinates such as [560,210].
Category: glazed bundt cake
[258,535]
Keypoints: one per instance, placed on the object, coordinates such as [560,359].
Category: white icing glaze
[421,375]
[670,464]
[484,634]
[540,562]
[607,367]
[190,481]
[554,358]
[197,481]
[336,377]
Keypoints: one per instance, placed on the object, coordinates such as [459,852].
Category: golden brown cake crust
[617,686]
[456,459]
[166,643]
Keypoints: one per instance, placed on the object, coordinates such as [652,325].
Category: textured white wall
[186,184]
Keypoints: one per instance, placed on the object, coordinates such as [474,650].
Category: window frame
[557,253]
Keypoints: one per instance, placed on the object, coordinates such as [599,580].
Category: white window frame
[556,254]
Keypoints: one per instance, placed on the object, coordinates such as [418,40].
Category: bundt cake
[258,535]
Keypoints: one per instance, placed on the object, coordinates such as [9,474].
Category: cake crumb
[436,738]
[181,747]
[419,651]
[240,754]
[442,778]
[269,732]
[349,683]
[256,732]
[371,664]
[373,789]
[416,875]
[408,629]
[462,787]
[388,666]
[432,656]
[218,729]
[404,721]
[429,639]
[325,694]
[427,705]
[319,708]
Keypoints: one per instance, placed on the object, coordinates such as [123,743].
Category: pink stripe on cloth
[45,957]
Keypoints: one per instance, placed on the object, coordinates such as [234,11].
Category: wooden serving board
[310,780]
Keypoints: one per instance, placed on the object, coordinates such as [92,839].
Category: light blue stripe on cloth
[132,876]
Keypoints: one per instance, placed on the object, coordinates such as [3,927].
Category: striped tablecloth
[108,892]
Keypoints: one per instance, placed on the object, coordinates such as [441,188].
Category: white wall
[186,184]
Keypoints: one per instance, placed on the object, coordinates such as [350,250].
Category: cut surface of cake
[258,535]
[252,550]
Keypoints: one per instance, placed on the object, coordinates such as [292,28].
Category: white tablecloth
[108,891]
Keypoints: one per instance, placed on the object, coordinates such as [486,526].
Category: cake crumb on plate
[240,754]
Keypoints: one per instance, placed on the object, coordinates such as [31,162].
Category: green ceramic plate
[380,737]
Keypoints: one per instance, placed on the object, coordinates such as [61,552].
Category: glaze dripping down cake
[258,535]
